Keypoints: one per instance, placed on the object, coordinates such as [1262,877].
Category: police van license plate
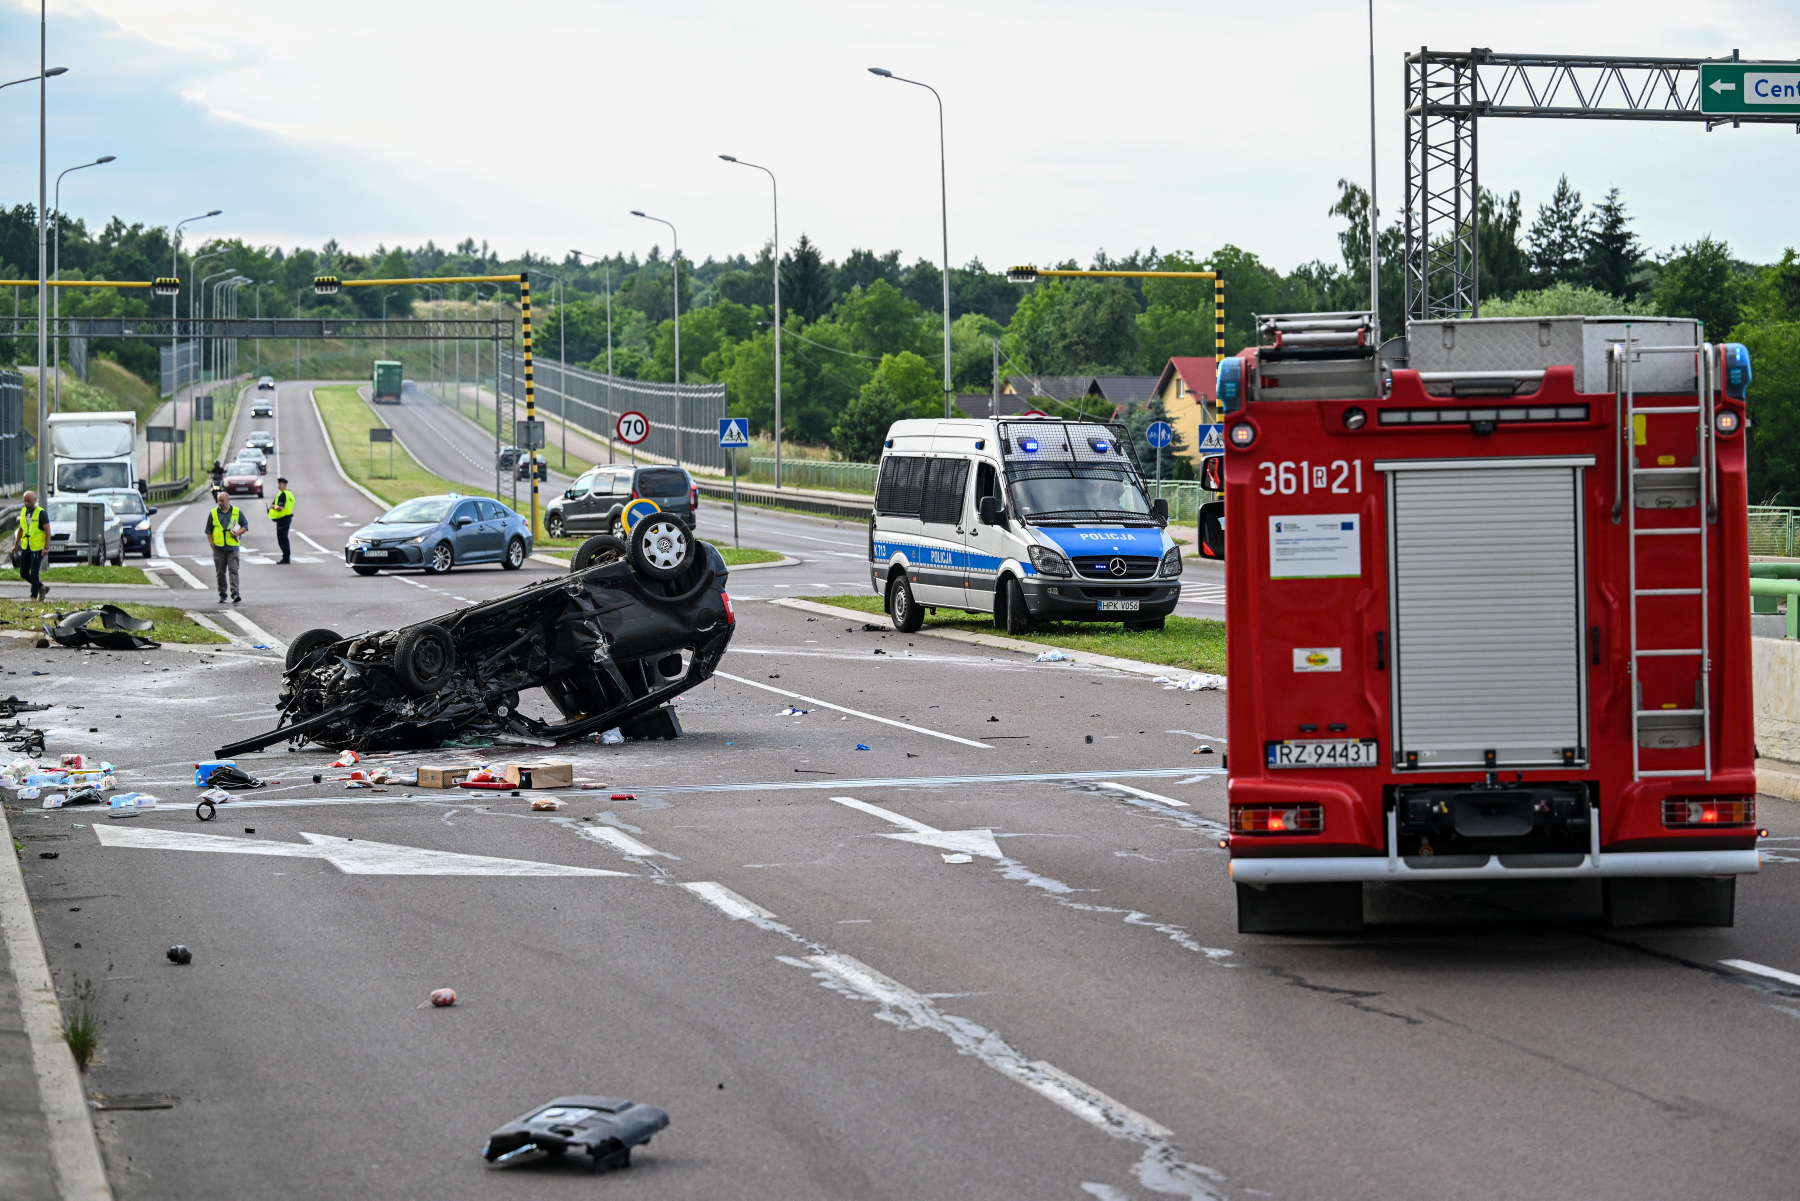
[1119,606]
[1323,752]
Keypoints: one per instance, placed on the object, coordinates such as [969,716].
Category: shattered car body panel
[605,643]
[606,1128]
[117,631]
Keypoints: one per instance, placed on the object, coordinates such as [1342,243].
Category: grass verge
[735,556]
[1191,643]
[84,574]
[172,624]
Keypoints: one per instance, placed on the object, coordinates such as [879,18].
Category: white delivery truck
[92,450]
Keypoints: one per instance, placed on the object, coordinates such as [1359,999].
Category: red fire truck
[1501,608]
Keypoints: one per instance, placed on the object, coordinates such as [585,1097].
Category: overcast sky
[1071,126]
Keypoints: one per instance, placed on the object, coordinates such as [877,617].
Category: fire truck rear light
[1243,434]
[1727,422]
[1690,812]
[1304,818]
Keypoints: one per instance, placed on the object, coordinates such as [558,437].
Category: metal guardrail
[169,491]
[786,498]
[831,475]
[1787,589]
[1772,529]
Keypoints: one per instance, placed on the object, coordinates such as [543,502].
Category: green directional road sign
[1750,89]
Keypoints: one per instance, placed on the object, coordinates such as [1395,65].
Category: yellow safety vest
[283,506]
[224,535]
[33,535]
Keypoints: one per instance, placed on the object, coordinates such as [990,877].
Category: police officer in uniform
[225,527]
[31,543]
[281,511]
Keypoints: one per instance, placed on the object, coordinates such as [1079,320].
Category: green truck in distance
[386,381]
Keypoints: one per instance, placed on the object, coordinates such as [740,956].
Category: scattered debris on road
[604,1127]
[1054,657]
[442,998]
[1200,683]
[115,632]
[180,954]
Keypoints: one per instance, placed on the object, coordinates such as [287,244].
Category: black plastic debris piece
[114,634]
[249,829]
[235,778]
[604,1128]
[49,854]
[871,627]
[318,778]
[622,635]
[993,719]
[12,706]
[180,954]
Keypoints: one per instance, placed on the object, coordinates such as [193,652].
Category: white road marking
[886,721]
[187,577]
[256,632]
[1148,796]
[968,842]
[1757,969]
[1155,773]
[733,906]
[157,546]
[350,856]
[622,841]
[311,543]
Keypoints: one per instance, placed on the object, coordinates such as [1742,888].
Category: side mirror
[462,521]
[150,512]
[568,494]
[1160,508]
[1212,473]
[989,510]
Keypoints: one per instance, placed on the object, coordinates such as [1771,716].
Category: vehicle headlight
[416,541]
[143,525]
[1171,564]
[1050,562]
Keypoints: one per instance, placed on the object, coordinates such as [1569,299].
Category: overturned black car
[631,626]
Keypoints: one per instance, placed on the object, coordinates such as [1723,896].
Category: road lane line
[886,721]
[187,577]
[622,841]
[966,842]
[311,543]
[351,856]
[1757,969]
[1148,796]
[933,781]
[733,906]
[256,632]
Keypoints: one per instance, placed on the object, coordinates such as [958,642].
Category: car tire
[553,526]
[599,551]
[1018,617]
[149,550]
[617,527]
[308,642]
[661,547]
[363,569]
[901,606]
[515,555]
[439,559]
[424,658]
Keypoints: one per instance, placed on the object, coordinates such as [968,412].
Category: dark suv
[592,504]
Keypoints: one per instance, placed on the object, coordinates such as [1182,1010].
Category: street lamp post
[944,200]
[205,348]
[56,272]
[675,265]
[43,77]
[775,196]
[195,358]
[611,447]
[175,308]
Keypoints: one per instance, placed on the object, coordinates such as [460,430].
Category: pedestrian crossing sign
[1212,437]
[734,432]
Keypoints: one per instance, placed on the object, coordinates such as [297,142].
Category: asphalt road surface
[769,939]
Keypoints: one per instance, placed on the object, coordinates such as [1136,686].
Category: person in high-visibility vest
[225,527]
[281,511]
[31,543]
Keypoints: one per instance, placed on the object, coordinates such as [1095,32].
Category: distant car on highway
[134,516]
[437,533]
[251,454]
[62,532]
[261,440]
[262,406]
[266,383]
[594,502]
[243,478]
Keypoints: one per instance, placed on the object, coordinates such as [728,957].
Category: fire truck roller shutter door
[1486,587]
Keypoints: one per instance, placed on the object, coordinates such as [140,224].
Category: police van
[1029,519]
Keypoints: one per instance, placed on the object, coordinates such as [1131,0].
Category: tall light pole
[435,294]
[175,307]
[775,196]
[384,300]
[56,271]
[611,447]
[944,199]
[260,285]
[43,76]
[208,344]
[675,263]
[197,358]
[562,366]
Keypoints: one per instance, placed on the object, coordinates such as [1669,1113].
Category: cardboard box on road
[442,777]
[543,775]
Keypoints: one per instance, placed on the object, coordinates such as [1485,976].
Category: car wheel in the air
[661,547]
[901,606]
[515,555]
[308,642]
[439,559]
[597,552]
[617,529]
[553,525]
[424,657]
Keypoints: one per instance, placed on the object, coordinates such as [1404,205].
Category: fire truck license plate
[1323,752]
[1118,606]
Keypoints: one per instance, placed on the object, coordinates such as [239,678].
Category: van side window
[987,482]
[901,489]
[944,491]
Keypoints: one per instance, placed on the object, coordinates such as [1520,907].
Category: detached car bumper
[1081,600]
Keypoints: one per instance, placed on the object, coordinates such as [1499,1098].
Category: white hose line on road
[886,721]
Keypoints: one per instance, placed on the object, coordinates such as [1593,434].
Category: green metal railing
[830,476]
[1772,529]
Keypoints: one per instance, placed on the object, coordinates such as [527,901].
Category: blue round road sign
[1160,434]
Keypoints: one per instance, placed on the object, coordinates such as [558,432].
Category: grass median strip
[172,624]
[1190,643]
[735,556]
[83,574]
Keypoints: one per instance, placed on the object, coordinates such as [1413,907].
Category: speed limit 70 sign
[633,428]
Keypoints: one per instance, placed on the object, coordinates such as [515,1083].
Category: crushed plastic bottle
[1055,657]
[612,737]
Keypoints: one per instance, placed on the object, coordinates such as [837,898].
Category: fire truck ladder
[1664,488]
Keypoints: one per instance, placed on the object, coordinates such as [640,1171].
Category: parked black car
[593,503]
[628,629]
